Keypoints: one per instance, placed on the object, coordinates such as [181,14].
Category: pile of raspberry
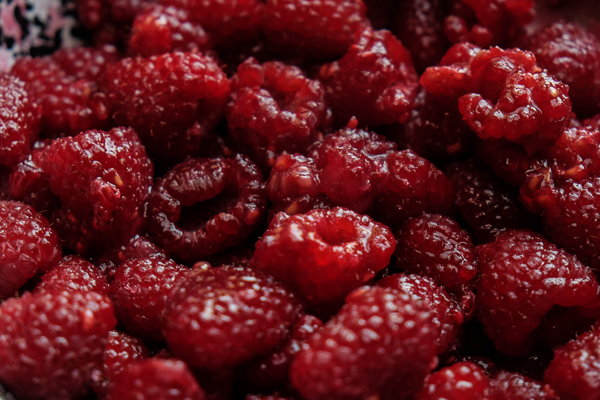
[304,200]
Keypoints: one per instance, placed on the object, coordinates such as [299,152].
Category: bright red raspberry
[171,100]
[381,344]
[20,120]
[274,108]
[121,350]
[375,81]
[50,342]
[522,277]
[203,206]
[86,62]
[312,30]
[459,381]
[158,30]
[29,246]
[324,254]
[156,378]
[140,289]
[74,273]
[222,317]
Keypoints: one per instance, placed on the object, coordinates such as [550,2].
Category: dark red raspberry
[86,62]
[509,161]
[274,108]
[222,317]
[140,289]
[375,81]
[230,199]
[514,386]
[158,30]
[312,30]
[74,273]
[92,13]
[137,247]
[29,245]
[381,344]
[411,186]
[172,100]
[562,324]
[121,350]
[20,119]
[574,370]
[324,254]
[572,54]
[488,205]
[522,277]
[50,342]
[459,381]
[156,378]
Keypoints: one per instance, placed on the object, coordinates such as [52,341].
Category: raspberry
[230,199]
[74,273]
[572,54]
[137,247]
[29,245]
[381,344]
[312,30]
[158,29]
[20,120]
[508,160]
[121,350]
[86,62]
[594,122]
[243,314]
[522,277]
[140,289]
[171,100]
[157,379]
[65,332]
[324,254]
[375,81]
[514,386]
[459,381]
[562,324]
[273,108]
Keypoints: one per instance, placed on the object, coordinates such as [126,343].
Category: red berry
[74,273]
[460,381]
[514,386]
[86,62]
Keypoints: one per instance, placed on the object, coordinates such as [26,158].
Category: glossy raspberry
[203,206]
[121,350]
[140,289]
[375,81]
[312,30]
[86,62]
[514,386]
[221,317]
[381,343]
[156,379]
[74,273]
[274,108]
[29,245]
[171,100]
[324,254]
[459,381]
[572,54]
[522,277]
[64,332]
[158,30]
[20,120]
[137,247]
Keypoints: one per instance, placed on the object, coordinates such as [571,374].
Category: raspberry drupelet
[324,254]
[375,81]
[319,29]
[460,381]
[522,277]
[274,108]
[244,314]
[29,246]
[230,199]
[74,273]
[64,332]
[172,100]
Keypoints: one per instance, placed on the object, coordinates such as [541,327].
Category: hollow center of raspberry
[196,216]
[337,233]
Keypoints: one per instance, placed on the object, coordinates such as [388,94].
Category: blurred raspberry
[514,386]
[74,273]
[86,62]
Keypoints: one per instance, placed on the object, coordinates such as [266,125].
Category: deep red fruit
[140,289]
[514,386]
[375,81]
[312,30]
[222,317]
[460,381]
[274,108]
[522,277]
[593,122]
[137,247]
[50,342]
[509,161]
[324,254]
[74,273]
[203,206]
[121,350]
[155,378]
[158,30]
[381,344]
[20,120]
[86,62]
[171,100]
[29,245]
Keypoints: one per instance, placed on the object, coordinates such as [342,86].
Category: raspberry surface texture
[461,381]
[74,273]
